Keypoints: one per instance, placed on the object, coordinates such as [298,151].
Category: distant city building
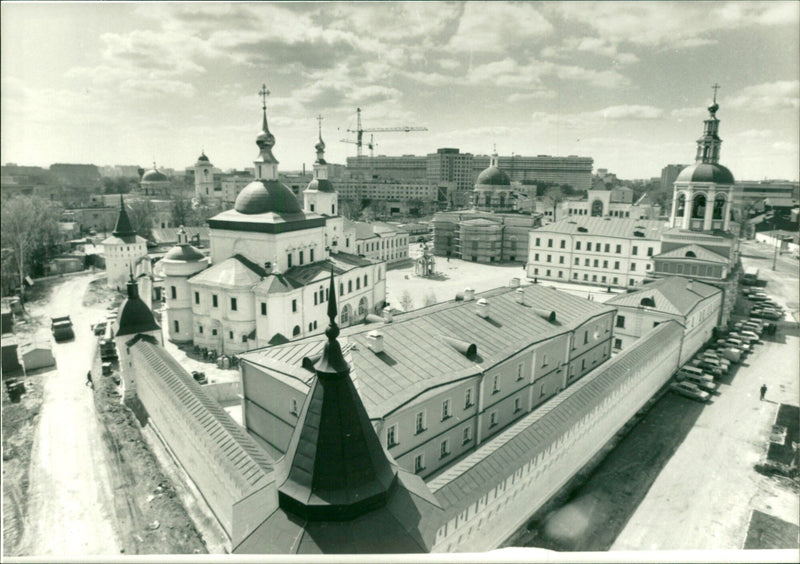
[490,232]
[403,168]
[595,250]
[668,175]
[450,166]
[122,249]
[572,170]
[76,174]
[696,306]
[156,183]
[607,203]
[780,193]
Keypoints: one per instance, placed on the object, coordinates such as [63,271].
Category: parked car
[689,390]
[711,366]
[200,377]
[107,368]
[741,345]
[99,328]
[767,314]
[758,297]
[61,328]
[749,339]
[732,354]
[694,373]
[703,384]
[751,334]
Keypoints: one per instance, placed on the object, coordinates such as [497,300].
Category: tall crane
[359,131]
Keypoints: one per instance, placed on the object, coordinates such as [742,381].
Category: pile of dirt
[19,424]
[151,518]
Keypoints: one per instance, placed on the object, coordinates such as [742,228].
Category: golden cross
[264,93]
[319,119]
[715,87]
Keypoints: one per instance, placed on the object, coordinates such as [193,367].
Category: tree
[182,211]
[141,213]
[30,228]
[121,185]
[406,301]
[555,196]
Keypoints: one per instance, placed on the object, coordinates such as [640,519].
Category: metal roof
[621,228]
[417,356]
[675,295]
[700,253]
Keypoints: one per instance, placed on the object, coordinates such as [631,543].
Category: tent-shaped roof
[698,253]
[236,271]
[675,295]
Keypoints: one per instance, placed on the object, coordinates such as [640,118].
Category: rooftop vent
[582,229]
[309,361]
[519,294]
[387,316]
[467,349]
[547,314]
[515,282]
[638,234]
[375,340]
[469,294]
[482,308]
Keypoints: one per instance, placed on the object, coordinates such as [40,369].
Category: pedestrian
[763,391]
[89,379]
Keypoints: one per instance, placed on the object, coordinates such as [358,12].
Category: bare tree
[141,213]
[555,196]
[406,301]
[430,299]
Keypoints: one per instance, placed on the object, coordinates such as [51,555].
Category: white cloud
[767,97]
[630,112]
[534,95]
[497,27]
[508,72]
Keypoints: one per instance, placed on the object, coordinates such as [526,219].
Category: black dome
[263,196]
[321,185]
[706,172]
[494,177]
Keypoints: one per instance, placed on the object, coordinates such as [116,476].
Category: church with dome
[264,282]
[493,230]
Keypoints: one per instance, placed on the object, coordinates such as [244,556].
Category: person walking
[91,384]
[763,391]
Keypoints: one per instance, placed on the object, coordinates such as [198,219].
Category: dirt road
[70,509]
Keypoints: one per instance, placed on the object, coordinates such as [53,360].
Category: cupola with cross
[320,196]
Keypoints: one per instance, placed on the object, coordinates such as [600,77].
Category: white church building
[122,249]
[270,260]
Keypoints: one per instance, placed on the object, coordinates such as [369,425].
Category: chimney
[469,294]
[519,293]
[515,282]
[268,267]
[387,315]
[690,284]
[375,340]
[482,308]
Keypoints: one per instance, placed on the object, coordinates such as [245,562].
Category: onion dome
[154,176]
[134,315]
[321,185]
[264,196]
[706,172]
[492,175]
[202,158]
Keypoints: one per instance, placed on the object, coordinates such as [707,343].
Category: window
[616,265]
[200,329]
[214,300]
[294,306]
[233,304]
[633,266]
[173,292]
[541,391]
[583,364]
[585,337]
[244,338]
[300,261]
[618,344]
[549,242]
[586,262]
[561,259]
[607,248]
[391,436]
[289,259]
[177,327]
[585,277]
[649,251]
[517,405]
[311,255]
[466,436]
[616,280]
[563,244]
[575,274]
[446,409]
[419,463]
[619,249]
[594,276]
[365,280]
[536,256]
[548,272]
[420,424]
[230,335]
[519,372]
[349,286]
[577,261]
[577,245]
[444,448]
[495,388]
[468,398]
[263,308]
[538,241]
[493,419]
[589,246]
[549,258]
[296,331]
[213,332]
[605,264]
[635,250]
[197,297]
[358,283]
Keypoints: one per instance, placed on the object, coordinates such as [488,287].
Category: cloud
[526,96]
[395,21]
[692,112]
[497,27]
[508,72]
[767,97]
[630,112]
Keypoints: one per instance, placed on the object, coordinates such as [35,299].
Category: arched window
[344,318]
[488,199]
[296,331]
[719,207]
[502,200]
[597,208]
[649,302]
[362,307]
[699,207]
[681,207]
[691,254]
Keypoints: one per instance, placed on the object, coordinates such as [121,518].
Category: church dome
[706,172]
[321,185]
[154,176]
[493,176]
[264,196]
[202,158]
[184,253]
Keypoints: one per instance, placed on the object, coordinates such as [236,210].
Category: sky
[626,83]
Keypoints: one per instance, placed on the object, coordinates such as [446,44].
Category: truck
[62,328]
[108,350]
[750,277]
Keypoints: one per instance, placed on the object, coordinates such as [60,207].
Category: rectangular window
[230,335]
[294,306]
[289,259]
[621,321]
[293,407]
[214,300]
[310,255]
[419,463]
[616,280]
[549,258]
[214,332]
[575,275]
[446,409]
[200,329]
[173,292]
[594,277]
[519,372]
[586,262]
[583,364]
[563,244]
[197,297]
[577,245]
[391,436]
[617,344]
[577,261]
[649,251]
[495,387]
[468,398]
[561,259]
[596,263]
[607,248]
[635,250]
[517,405]
[420,422]
[177,327]
[605,264]
[548,272]
[585,277]
[538,241]
[358,283]
[549,242]
[466,436]
[349,286]
[619,249]
[589,246]
[444,448]
[263,308]
[365,280]
[493,419]
[616,265]
[633,266]
[544,360]
[536,256]
[244,338]
[234,305]
[585,337]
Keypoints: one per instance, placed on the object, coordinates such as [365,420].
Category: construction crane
[359,131]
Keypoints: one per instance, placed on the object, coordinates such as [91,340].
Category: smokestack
[375,340]
[469,294]
[519,293]
[482,308]
[387,316]
[515,282]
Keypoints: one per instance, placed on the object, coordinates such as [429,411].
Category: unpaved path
[70,510]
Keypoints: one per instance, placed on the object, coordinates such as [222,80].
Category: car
[732,354]
[758,297]
[741,345]
[107,368]
[751,334]
[693,372]
[200,377]
[99,328]
[701,383]
[690,391]
[711,366]
[767,314]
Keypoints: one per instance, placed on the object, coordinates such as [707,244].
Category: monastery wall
[492,492]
